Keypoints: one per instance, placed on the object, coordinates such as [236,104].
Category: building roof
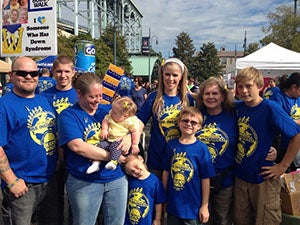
[229,54]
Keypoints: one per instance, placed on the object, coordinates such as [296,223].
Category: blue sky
[223,22]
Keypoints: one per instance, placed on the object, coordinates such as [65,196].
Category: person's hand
[103,134]
[122,159]
[125,144]
[19,188]
[135,149]
[156,222]
[203,214]
[273,172]
[272,154]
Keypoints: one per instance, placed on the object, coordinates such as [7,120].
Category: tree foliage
[283,28]
[185,50]
[207,62]
[252,47]
[122,54]
[103,47]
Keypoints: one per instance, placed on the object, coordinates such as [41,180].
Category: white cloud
[220,21]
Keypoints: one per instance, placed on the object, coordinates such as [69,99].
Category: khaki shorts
[257,204]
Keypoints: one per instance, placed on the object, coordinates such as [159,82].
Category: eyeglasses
[23,73]
[192,122]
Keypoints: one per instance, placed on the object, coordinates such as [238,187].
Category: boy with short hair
[257,187]
[187,168]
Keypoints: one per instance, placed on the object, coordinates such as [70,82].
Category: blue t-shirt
[143,195]
[138,97]
[74,123]
[220,134]
[28,136]
[45,83]
[187,165]
[125,86]
[257,128]
[291,106]
[60,100]
[270,91]
[8,88]
[164,125]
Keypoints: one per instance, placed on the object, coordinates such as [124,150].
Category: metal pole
[115,33]
[295,7]
[149,70]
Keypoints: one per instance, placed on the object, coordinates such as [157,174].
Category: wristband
[13,183]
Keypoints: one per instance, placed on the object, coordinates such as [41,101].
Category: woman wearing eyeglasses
[163,106]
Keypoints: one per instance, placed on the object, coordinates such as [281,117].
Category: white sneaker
[93,168]
[111,165]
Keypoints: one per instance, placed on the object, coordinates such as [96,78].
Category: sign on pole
[110,83]
[29,28]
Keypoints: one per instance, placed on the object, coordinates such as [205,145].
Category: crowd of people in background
[213,155]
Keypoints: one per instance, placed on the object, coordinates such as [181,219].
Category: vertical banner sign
[110,83]
[145,45]
[85,55]
[29,28]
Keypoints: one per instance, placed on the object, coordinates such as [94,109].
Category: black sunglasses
[192,122]
[23,73]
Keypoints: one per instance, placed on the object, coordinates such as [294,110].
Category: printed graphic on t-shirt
[182,170]
[92,133]
[61,104]
[215,138]
[247,139]
[138,205]
[168,121]
[41,125]
[295,112]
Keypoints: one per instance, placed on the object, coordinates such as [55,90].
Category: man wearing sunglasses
[28,153]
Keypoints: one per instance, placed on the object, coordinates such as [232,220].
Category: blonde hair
[191,110]
[250,73]
[182,88]
[126,105]
[228,103]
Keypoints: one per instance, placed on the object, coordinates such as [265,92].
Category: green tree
[283,28]
[104,53]
[185,50]
[207,62]
[252,47]
[121,51]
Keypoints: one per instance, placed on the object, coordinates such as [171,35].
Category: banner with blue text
[29,28]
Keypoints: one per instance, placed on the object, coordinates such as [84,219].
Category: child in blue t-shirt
[187,168]
[146,194]
[257,187]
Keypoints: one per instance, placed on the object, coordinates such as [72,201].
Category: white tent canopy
[272,59]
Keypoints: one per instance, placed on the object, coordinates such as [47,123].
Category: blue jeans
[86,198]
[19,211]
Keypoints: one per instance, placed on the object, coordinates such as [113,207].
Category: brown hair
[84,82]
[191,110]
[62,59]
[228,103]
